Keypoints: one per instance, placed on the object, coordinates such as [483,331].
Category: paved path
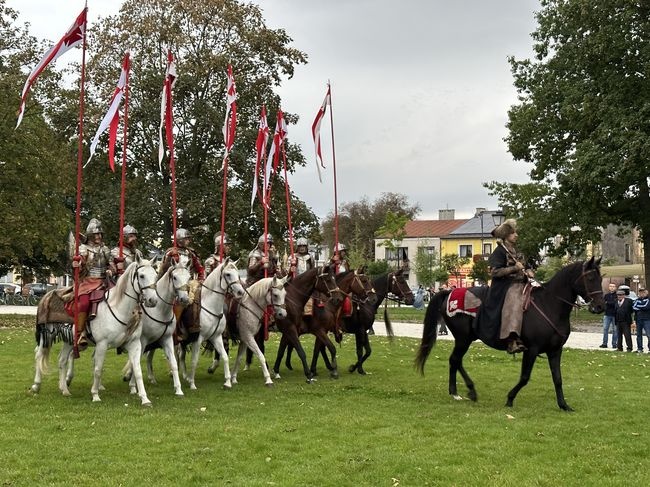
[583,340]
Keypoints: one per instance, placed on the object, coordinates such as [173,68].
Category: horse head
[230,276]
[179,278]
[362,287]
[276,296]
[326,284]
[589,285]
[399,287]
[143,280]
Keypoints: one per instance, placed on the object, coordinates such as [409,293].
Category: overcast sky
[420,92]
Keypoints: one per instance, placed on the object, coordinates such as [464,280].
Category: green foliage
[583,122]
[440,275]
[377,267]
[545,272]
[392,229]
[254,435]
[452,264]
[480,271]
[361,219]
[424,267]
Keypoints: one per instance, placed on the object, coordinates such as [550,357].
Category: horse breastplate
[184,258]
[97,259]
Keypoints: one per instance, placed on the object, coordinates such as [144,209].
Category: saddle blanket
[462,301]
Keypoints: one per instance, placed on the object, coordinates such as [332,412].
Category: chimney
[448,214]
[479,211]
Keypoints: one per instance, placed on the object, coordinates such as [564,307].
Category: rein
[242,305]
[138,294]
[220,292]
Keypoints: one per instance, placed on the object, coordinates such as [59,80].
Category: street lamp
[498,217]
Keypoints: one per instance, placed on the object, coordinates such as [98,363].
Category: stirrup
[82,342]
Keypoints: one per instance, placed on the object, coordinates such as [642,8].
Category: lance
[288,197]
[124,161]
[336,204]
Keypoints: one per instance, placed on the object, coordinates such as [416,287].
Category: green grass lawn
[391,427]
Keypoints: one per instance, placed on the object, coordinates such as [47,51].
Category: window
[628,253]
[487,248]
[399,255]
[465,250]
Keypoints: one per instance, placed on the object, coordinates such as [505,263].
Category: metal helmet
[342,247]
[218,239]
[128,230]
[182,233]
[94,226]
[302,241]
[261,239]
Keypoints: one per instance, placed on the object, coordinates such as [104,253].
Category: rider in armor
[130,250]
[340,259]
[302,260]
[214,260]
[95,265]
[183,254]
[258,262]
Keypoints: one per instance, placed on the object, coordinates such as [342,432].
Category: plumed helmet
[94,226]
[508,227]
[302,241]
[261,239]
[342,247]
[128,230]
[218,239]
[182,233]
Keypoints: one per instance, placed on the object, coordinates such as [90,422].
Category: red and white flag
[73,37]
[315,131]
[230,123]
[166,113]
[112,117]
[279,136]
[260,149]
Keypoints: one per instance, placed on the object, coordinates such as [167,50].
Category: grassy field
[391,427]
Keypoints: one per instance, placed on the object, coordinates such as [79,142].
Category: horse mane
[116,293]
[257,291]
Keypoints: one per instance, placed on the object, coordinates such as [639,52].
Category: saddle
[462,300]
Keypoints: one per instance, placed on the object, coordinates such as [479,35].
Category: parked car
[38,289]
[9,288]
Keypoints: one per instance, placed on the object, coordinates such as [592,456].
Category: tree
[452,263]
[204,37]
[35,169]
[360,220]
[425,264]
[392,230]
[480,271]
[583,121]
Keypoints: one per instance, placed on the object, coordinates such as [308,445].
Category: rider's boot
[82,340]
[515,345]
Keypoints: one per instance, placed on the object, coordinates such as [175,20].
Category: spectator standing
[624,311]
[610,317]
[642,317]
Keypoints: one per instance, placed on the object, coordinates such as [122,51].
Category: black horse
[545,327]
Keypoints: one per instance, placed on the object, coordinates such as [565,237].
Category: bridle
[139,292]
[366,287]
[392,280]
[269,293]
[182,287]
[223,278]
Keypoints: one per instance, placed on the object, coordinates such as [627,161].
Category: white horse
[265,292]
[158,323]
[224,279]
[117,324]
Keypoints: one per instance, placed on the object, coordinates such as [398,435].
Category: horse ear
[287,279]
[235,262]
[226,261]
[598,261]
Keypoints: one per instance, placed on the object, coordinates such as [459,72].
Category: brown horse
[545,326]
[324,320]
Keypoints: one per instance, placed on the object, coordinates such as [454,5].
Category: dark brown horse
[324,316]
[545,327]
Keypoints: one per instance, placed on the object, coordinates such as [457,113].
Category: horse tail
[42,350]
[389,325]
[430,330]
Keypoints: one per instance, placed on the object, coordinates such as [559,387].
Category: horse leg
[150,374]
[554,359]
[241,351]
[259,340]
[321,335]
[362,343]
[98,364]
[456,365]
[219,347]
[65,357]
[526,368]
[167,343]
[134,348]
[252,344]
[126,371]
[196,346]
[278,359]
[41,356]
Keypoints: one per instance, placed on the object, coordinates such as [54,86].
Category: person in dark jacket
[609,319]
[641,309]
[624,311]
[502,309]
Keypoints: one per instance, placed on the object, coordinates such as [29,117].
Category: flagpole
[287,195]
[336,203]
[77,224]
[124,161]
[224,190]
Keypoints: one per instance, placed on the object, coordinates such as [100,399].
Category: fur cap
[506,228]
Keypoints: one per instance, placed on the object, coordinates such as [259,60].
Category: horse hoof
[227,387]
[101,388]
[269,384]
[276,376]
[126,378]
[35,388]
[352,368]
[247,367]
[311,380]
[66,393]
[334,375]
[211,370]
[472,396]
[179,394]
[361,371]
[95,399]
[147,404]
[192,387]
[457,397]
[153,381]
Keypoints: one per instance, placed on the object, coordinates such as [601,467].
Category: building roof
[430,228]
[472,227]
